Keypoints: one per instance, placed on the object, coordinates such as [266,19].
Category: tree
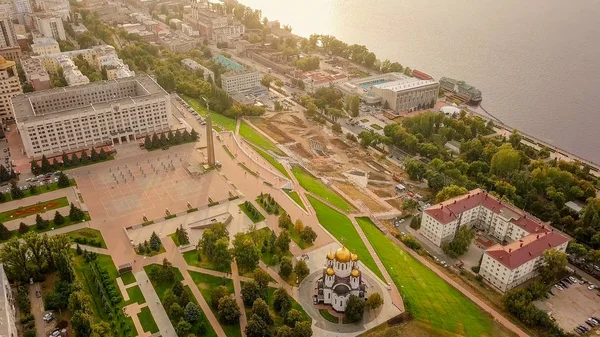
[35,168]
[45,165]
[40,222]
[23,228]
[191,313]
[5,234]
[63,180]
[58,219]
[32,190]
[301,270]
[555,262]
[76,214]
[284,331]
[222,255]
[247,255]
[460,243]
[577,250]
[15,191]
[374,301]
[283,241]
[262,279]
[415,169]
[155,242]
[308,235]
[285,267]
[261,309]
[292,317]
[256,327]
[175,311]
[218,293]
[281,302]
[303,329]
[183,327]
[354,309]
[449,192]
[228,310]
[298,226]
[506,161]
[182,235]
[81,323]
[209,238]
[250,292]
[284,221]
[353,105]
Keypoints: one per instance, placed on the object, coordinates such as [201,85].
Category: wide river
[537,62]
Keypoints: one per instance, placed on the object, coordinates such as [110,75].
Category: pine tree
[15,191]
[94,154]
[75,214]
[147,143]
[35,168]
[75,160]
[32,190]
[178,137]
[65,160]
[46,167]
[58,219]
[170,138]
[4,175]
[155,242]
[155,142]
[186,136]
[163,140]
[63,180]
[194,135]
[55,164]
[84,157]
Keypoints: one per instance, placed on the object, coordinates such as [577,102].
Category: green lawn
[161,287]
[245,210]
[127,278]
[40,190]
[176,239]
[34,209]
[272,161]
[135,295]
[328,316]
[426,296]
[82,273]
[314,185]
[342,229]
[88,234]
[206,283]
[296,237]
[256,138]
[147,321]
[217,119]
[296,197]
[191,257]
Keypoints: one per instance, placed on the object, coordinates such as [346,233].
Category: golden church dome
[2,59]
[330,256]
[354,257]
[342,254]
[330,272]
[355,273]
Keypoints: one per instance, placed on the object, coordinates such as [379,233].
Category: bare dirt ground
[396,202]
[355,193]
[341,155]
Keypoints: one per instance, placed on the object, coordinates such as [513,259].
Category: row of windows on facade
[85,123]
[59,131]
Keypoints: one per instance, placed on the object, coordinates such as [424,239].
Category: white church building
[341,278]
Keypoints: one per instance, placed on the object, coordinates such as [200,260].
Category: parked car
[48,317]
[38,294]
[591,287]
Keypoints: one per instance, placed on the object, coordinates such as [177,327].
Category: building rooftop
[528,248]
[230,74]
[44,42]
[24,104]
[228,63]
[404,84]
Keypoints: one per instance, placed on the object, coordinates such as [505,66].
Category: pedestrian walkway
[132,311]
[237,289]
[92,249]
[292,291]
[158,312]
[123,289]
[388,279]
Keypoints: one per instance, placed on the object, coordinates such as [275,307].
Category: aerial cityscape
[183,168]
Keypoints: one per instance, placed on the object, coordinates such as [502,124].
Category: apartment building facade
[107,112]
[9,87]
[504,266]
[50,26]
[192,65]
[8,314]
[240,81]
[44,46]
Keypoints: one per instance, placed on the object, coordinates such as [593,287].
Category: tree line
[68,161]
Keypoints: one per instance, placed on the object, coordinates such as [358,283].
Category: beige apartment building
[240,81]
[107,112]
[9,87]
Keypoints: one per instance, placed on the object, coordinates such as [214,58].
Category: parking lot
[572,306]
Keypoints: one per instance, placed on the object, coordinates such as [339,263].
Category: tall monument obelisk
[209,142]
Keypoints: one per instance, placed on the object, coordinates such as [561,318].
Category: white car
[591,287]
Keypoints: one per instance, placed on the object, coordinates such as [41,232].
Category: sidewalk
[237,289]
[158,312]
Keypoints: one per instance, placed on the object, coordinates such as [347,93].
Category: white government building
[506,266]
[240,81]
[341,278]
[106,112]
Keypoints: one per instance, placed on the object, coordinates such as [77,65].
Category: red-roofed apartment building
[503,266]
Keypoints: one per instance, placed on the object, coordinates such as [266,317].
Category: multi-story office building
[240,81]
[44,46]
[50,26]
[115,68]
[8,313]
[107,112]
[71,72]
[528,237]
[400,92]
[192,65]
[213,24]
[9,87]
[35,73]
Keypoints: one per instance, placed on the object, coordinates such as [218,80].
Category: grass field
[161,287]
[314,185]
[217,119]
[147,321]
[342,229]
[40,190]
[254,219]
[191,257]
[34,209]
[135,295]
[298,241]
[272,161]
[256,138]
[127,278]
[328,316]
[426,296]
[296,197]
[206,283]
[89,234]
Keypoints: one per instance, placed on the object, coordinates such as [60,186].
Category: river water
[537,62]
